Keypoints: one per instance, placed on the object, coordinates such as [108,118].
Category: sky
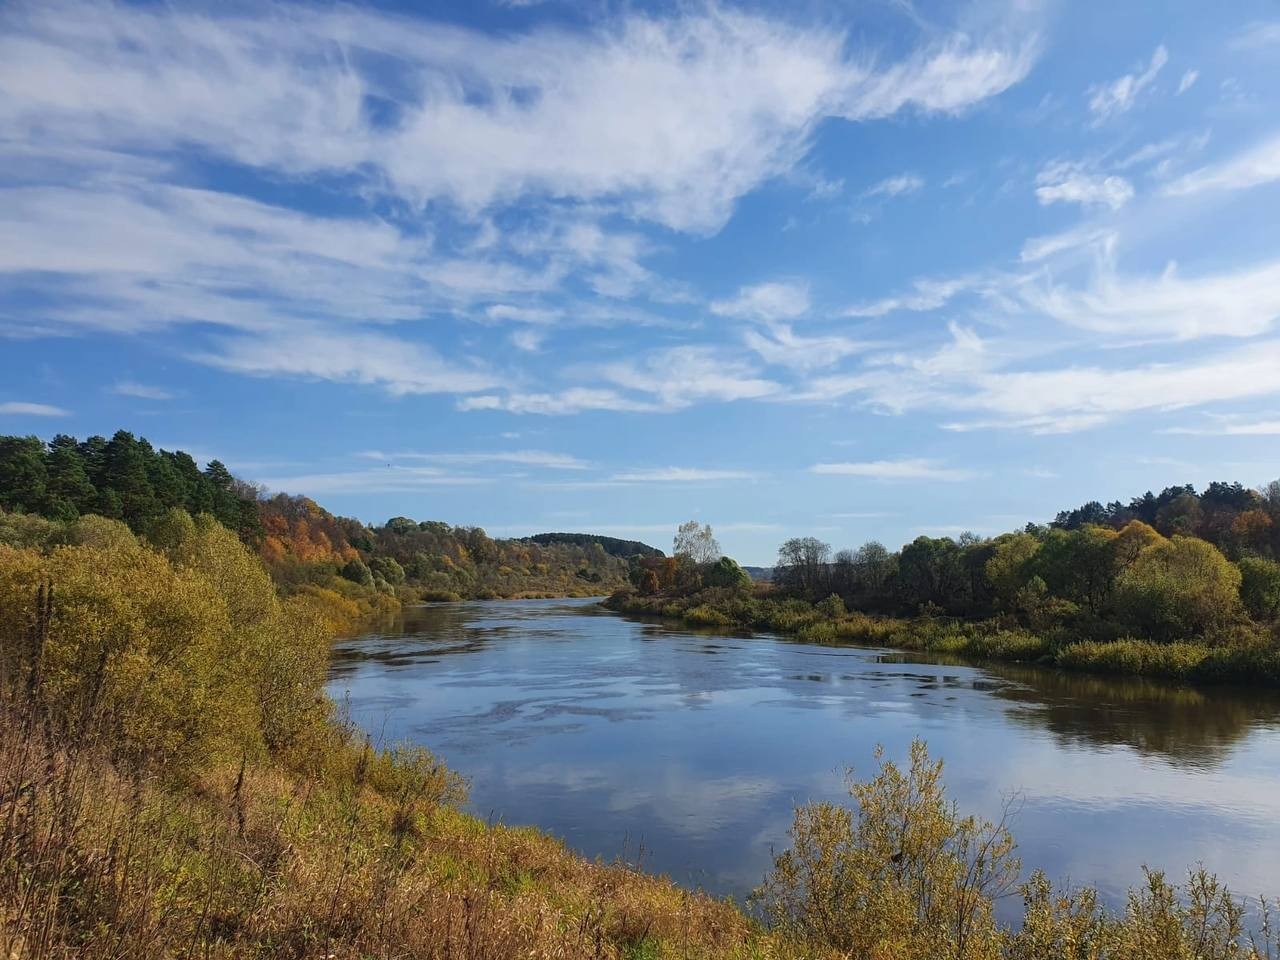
[859,270]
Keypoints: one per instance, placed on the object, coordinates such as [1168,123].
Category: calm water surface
[690,749]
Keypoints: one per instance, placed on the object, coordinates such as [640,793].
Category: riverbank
[1254,662]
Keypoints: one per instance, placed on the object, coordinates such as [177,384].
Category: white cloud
[1257,35]
[927,294]
[1187,82]
[1068,183]
[519,314]
[1258,165]
[947,78]
[782,346]
[399,366]
[665,381]
[530,341]
[680,376]
[389,479]
[1240,303]
[1119,95]
[766,301]
[131,388]
[990,392]
[900,185]
[1184,145]
[671,120]
[680,475]
[1074,398]
[911,469]
[530,458]
[1231,427]
[570,401]
[1041,248]
[20,408]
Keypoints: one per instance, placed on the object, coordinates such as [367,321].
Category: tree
[1079,565]
[69,491]
[388,569]
[874,564]
[695,541]
[358,572]
[1260,587]
[1008,570]
[930,572]
[1179,588]
[22,473]
[725,572]
[802,566]
[125,473]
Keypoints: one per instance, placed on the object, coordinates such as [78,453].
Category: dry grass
[343,855]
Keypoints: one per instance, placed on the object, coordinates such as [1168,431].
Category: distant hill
[612,545]
[759,573]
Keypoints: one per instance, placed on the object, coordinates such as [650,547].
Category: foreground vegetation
[174,783]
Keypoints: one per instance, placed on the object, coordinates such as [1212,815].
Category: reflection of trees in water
[1195,727]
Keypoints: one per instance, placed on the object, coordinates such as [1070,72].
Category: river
[687,750]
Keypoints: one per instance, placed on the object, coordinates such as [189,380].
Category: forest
[1180,584]
[305,547]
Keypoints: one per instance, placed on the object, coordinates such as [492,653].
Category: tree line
[303,545]
[1172,566]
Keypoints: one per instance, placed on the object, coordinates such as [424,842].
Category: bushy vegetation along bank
[174,783]
[1252,661]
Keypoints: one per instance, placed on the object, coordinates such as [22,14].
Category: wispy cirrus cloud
[1257,35]
[1119,96]
[1069,183]
[680,475]
[1243,302]
[23,408]
[399,366]
[141,391]
[1231,426]
[896,186]
[644,113]
[116,111]
[908,469]
[527,458]
[926,294]
[776,300]
[393,478]
[1255,166]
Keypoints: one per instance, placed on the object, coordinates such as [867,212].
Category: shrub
[1260,587]
[1179,588]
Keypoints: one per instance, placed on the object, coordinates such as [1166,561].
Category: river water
[687,750]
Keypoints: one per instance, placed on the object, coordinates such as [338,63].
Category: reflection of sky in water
[691,749]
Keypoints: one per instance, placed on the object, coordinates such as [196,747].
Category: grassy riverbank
[174,783]
[1249,660]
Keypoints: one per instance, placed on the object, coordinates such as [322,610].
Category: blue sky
[862,269]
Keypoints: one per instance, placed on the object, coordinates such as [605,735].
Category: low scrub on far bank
[1247,657]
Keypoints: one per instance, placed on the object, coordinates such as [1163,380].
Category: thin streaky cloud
[909,469]
[22,408]
[141,391]
[531,458]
